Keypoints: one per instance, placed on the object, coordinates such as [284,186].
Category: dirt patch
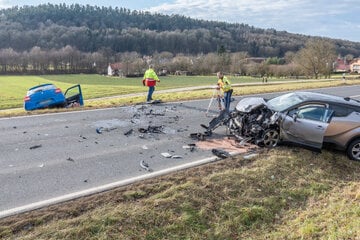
[226,144]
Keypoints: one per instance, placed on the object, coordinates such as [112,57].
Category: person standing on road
[225,85]
[150,78]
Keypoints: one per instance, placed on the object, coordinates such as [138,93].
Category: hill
[92,29]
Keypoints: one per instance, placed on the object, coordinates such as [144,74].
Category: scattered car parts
[220,153]
[145,165]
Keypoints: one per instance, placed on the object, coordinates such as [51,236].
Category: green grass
[14,88]
[96,87]
[282,194]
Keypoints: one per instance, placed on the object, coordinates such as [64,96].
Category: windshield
[284,102]
[40,88]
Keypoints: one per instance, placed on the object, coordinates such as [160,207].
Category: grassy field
[284,193]
[14,88]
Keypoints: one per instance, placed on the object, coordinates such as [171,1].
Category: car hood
[249,104]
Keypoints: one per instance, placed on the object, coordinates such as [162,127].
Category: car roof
[314,96]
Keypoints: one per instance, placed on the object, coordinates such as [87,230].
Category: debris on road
[155,113]
[220,153]
[145,165]
[129,132]
[35,146]
[190,146]
[151,129]
[198,136]
[99,130]
[70,159]
[167,155]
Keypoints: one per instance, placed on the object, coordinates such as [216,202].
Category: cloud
[297,16]
[5,4]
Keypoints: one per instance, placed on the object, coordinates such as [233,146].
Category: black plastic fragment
[220,153]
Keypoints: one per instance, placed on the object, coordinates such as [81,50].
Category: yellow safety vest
[224,84]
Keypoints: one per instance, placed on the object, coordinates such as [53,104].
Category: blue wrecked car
[49,96]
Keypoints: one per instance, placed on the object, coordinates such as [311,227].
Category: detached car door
[306,125]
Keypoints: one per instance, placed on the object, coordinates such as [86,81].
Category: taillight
[58,90]
[27,98]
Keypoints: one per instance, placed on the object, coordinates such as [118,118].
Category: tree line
[314,60]
[72,39]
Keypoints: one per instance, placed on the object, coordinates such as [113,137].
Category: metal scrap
[152,129]
[145,165]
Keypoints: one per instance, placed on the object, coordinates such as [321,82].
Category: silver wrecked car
[306,118]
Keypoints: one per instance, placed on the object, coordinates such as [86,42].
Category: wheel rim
[355,151]
[271,138]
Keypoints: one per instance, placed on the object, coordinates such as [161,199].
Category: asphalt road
[47,156]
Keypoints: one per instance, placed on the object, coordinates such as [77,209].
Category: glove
[144,82]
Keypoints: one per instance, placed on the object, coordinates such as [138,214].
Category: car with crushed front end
[306,118]
[49,96]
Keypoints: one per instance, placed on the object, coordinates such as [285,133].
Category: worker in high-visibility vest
[150,78]
[225,85]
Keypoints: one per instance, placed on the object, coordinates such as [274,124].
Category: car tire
[271,138]
[353,150]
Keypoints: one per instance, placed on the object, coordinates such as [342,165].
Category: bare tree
[238,61]
[8,57]
[316,57]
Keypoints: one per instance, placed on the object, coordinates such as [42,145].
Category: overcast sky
[328,18]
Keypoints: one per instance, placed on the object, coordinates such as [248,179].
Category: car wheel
[271,138]
[353,151]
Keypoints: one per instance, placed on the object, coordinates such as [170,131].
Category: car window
[72,92]
[341,110]
[316,113]
[40,88]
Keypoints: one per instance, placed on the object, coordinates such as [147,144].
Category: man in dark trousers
[150,78]
[225,85]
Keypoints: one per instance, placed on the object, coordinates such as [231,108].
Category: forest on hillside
[87,38]
[91,28]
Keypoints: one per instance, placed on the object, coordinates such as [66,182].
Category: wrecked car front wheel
[271,138]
